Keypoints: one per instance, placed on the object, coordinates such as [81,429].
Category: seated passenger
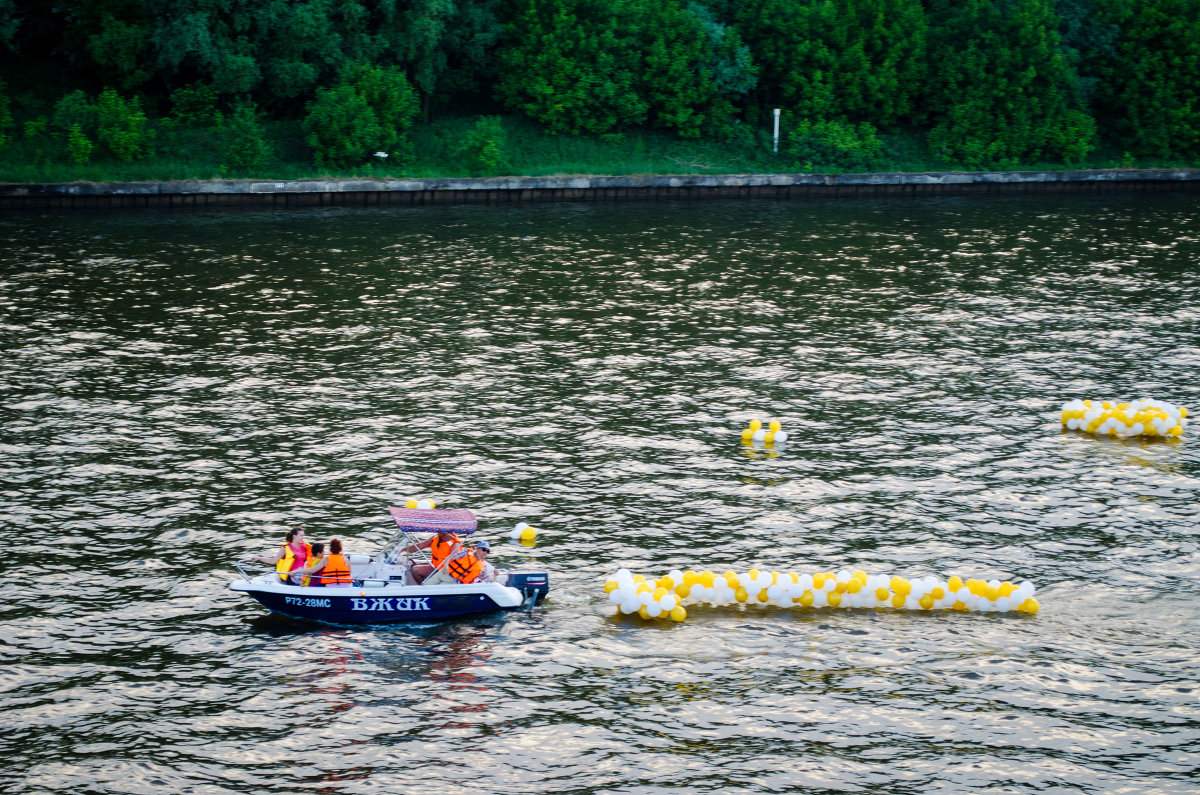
[440,546]
[294,554]
[333,569]
[318,552]
[467,567]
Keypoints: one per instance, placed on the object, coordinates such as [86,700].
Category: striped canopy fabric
[434,520]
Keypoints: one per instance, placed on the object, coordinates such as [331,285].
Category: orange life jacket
[336,571]
[438,551]
[466,568]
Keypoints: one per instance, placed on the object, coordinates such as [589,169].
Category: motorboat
[383,588]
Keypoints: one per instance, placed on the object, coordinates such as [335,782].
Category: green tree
[484,145]
[79,146]
[244,140]
[74,110]
[122,126]
[371,109]
[855,59]
[572,65]
[1000,86]
[6,119]
[1148,95]
[122,49]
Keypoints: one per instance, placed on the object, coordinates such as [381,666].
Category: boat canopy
[434,520]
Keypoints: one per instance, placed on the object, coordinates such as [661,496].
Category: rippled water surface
[179,388]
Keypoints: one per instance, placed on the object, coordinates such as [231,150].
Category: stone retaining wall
[507,190]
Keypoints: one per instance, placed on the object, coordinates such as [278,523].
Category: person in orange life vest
[440,547]
[467,567]
[333,570]
[295,554]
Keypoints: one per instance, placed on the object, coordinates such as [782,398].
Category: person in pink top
[294,554]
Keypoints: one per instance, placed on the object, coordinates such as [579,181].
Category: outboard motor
[533,584]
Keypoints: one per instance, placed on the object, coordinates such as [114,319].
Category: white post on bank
[776,146]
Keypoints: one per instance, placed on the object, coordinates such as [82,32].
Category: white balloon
[805,581]
[759,435]
[820,599]
[424,504]
[1003,604]
[774,592]
[668,602]
[781,436]
[653,610]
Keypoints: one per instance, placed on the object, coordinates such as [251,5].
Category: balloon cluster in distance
[424,505]
[668,596]
[1143,417]
[523,532]
[755,432]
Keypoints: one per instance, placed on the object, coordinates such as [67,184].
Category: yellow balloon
[644,588]
[882,594]
[659,593]
[682,591]
[806,598]
[638,578]
[643,612]
[755,425]
[762,596]
[741,595]
[775,425]
[926,601]
[818,581]
[1030,606]
[689,577]
[901,586]
[410,504]
[898,600]
[665,581]
[753,574]
[959,606]
[706,579]
[854,586]
[769,438]
[748,433]
[835,599]
[938,593]
[1007,588]
[955,583]
[1176,431]
[528,534]
[678,614]
[610,586]
[1182,412]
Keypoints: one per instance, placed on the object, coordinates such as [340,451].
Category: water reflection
[180,388]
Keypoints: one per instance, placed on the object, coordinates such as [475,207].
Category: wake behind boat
[383,588]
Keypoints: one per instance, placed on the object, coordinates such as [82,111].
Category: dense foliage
[988,83]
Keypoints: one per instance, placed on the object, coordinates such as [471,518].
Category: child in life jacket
[318,553]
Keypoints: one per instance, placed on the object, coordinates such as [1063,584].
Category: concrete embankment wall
[510,190]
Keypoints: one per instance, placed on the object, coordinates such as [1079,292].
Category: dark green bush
[834,146]
[484,144]
[370,110]
[122,127]
[244,142]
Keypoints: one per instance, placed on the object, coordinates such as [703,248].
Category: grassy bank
[196,154]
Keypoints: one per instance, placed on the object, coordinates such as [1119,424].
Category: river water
[178,388]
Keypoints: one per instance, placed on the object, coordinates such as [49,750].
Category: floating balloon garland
[770,435]
[1145,417]
[668,596]
[422,504]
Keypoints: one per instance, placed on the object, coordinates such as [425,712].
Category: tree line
[988,83]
